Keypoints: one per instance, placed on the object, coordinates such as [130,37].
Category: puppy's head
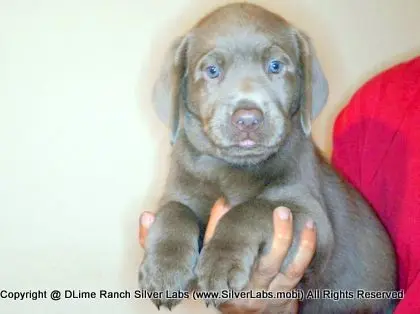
[240,81]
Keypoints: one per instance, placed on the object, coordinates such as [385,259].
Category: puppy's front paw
[168,271]
[223,267]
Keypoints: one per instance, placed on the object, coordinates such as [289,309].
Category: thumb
[146,220]
[219,209]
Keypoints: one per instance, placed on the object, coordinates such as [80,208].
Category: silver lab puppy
[240,87]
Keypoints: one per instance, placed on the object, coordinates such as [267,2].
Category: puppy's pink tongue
[246,143]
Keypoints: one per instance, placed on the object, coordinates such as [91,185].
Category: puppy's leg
[172,250]
[226,262]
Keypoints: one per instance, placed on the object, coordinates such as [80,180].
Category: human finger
[218,210]
[146,220]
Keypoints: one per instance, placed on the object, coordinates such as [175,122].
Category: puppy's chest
[239,187]
[235,185]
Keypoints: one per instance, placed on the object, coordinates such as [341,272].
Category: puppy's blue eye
[213,71]
[275,66]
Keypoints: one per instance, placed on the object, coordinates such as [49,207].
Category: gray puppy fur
[222,66]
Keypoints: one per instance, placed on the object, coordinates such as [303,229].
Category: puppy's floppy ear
[169,89]
[314,89]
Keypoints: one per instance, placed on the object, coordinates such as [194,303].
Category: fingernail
[226,206]
[310,224]
[283,213]
[147,219]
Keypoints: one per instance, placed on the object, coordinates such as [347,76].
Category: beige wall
[81,152]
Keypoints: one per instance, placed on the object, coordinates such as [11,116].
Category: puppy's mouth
[246,140]
[248,143]
[247,150]
[249,147]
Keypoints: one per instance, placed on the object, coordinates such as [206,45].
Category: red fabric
[376,146]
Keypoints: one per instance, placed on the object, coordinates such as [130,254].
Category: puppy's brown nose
[247,119]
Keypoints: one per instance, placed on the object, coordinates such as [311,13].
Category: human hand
[266,275]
